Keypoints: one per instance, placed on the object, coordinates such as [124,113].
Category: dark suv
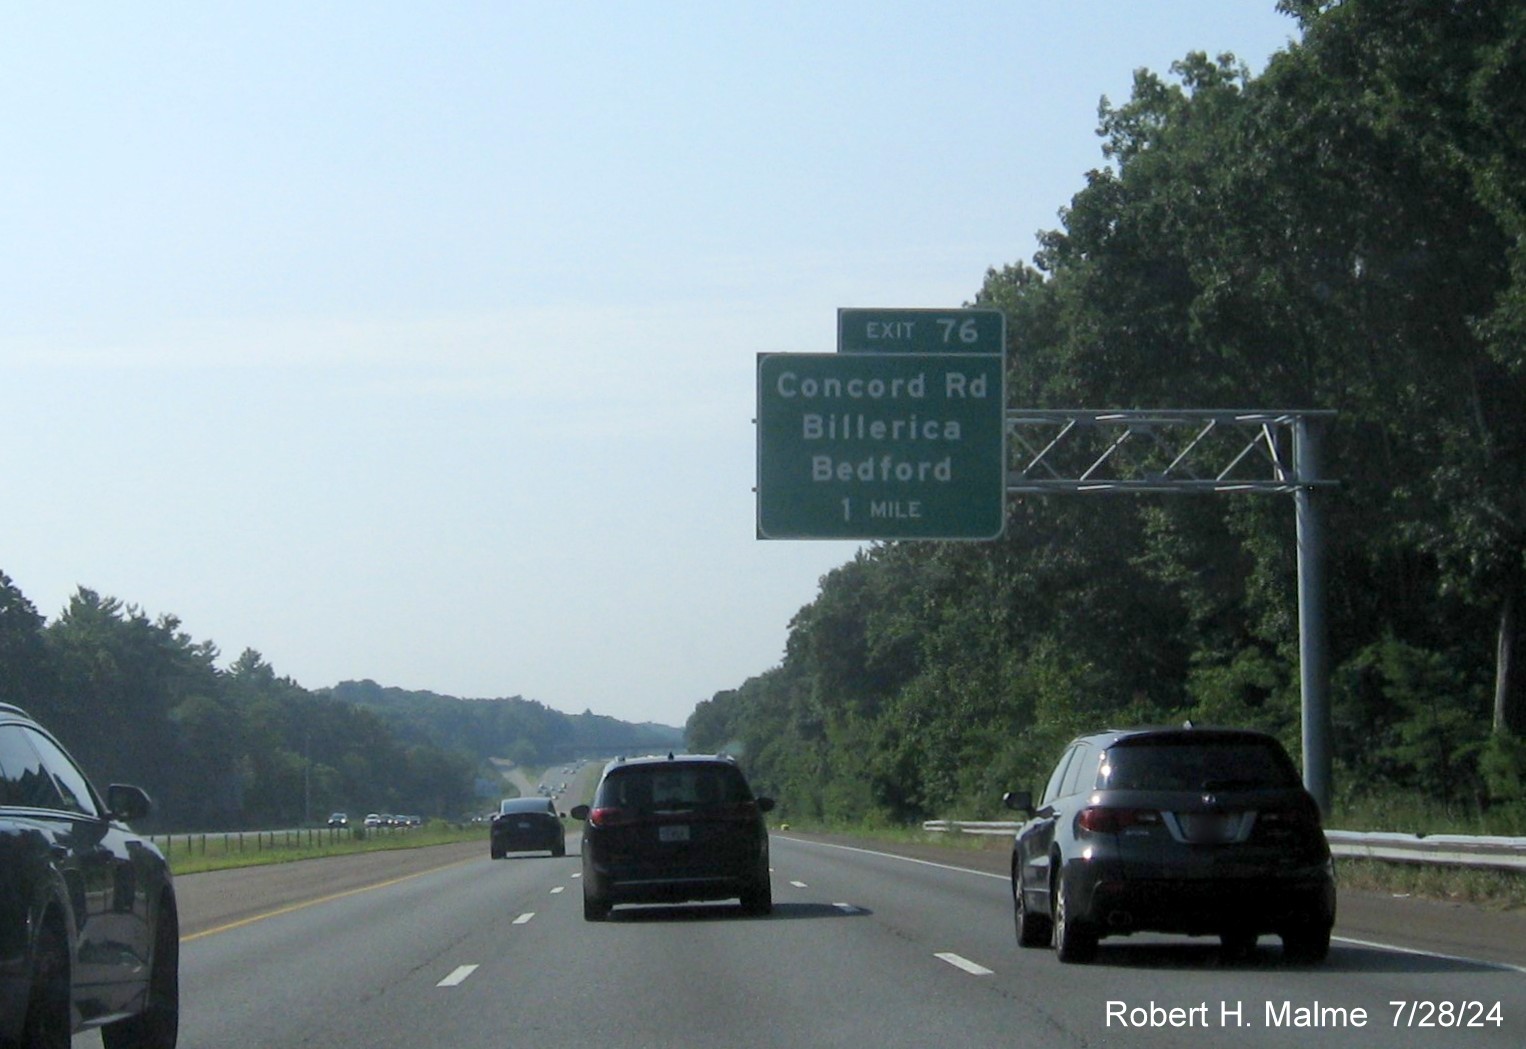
[666,830]
[88,929]
[1180,830]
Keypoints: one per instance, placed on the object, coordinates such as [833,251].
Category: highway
[864,948]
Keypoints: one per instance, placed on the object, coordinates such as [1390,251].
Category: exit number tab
[921,331]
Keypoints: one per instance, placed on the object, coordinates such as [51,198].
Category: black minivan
[89,935]
[1179,830]
[667,830]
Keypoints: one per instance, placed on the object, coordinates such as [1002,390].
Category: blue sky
[416,342]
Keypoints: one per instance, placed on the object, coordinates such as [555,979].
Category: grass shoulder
[197,853]
[1496,889]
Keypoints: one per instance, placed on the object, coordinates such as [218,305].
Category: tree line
[1346,230]
[136,700]
[522,730]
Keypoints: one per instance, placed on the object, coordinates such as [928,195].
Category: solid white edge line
[1505,966]
[893,856]
[458,976]
[959,962]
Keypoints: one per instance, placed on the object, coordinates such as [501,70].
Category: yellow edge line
[314,902]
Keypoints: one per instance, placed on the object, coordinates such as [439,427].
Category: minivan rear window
[670,788]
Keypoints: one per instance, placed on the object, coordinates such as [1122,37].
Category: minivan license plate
[673,832]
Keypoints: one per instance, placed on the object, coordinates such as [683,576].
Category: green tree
[120,675]
[25,674]
[1431,94]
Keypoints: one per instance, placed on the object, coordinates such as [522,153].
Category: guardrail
[969,827]
[1458,850]
[234,841]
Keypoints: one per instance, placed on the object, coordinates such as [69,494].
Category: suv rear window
[672,788]
[1192,764]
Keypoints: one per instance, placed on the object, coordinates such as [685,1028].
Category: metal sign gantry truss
[1196,452]
[1080,450]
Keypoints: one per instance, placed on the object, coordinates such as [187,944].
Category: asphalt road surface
[446,948]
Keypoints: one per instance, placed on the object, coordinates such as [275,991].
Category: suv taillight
[1099,819]
[610,816]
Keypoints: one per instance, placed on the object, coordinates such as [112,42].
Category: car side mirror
[127,803]
[580,812]
[765,804]
[1018,801]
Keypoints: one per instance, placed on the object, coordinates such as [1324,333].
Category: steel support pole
[1313,656]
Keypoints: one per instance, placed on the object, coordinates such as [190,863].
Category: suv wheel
[1306,942]
[759,899]
[1073,941]
[1033,930]
[47,1012]
[158,1025]
[594,909]
[1236,945]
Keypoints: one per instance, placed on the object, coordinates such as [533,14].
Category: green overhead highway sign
[881,446]
[921,331]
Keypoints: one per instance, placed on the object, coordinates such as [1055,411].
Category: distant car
[339,819]
[89,934]
[374,819]
[527,824]
[1179,830]
[668,830]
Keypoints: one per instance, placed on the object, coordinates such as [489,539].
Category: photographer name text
[1311,1014]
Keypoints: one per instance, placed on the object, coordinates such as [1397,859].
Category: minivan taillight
[1295,817]
[1100,819]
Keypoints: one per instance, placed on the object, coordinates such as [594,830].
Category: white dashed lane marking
[461,973]
[458,977]
[968,966]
